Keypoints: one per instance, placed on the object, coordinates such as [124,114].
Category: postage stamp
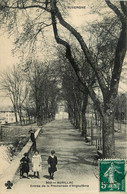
[112,175]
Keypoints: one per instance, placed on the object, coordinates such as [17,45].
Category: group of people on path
[37,164]
[37,161]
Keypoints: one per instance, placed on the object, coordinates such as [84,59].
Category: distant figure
[36,162]
[52,161]
[24,165]
[32,137]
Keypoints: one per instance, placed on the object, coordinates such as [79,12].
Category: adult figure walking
[52,161]
[32,137]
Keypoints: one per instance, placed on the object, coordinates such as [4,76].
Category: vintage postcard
[63,96]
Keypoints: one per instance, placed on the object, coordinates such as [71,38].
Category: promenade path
[74,174]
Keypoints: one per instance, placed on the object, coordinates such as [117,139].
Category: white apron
[36,161]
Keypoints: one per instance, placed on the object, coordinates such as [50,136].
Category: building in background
[61,111]
[7,115]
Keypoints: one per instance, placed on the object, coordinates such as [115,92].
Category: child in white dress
[36,163]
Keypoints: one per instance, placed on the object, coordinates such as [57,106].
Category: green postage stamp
[112,175]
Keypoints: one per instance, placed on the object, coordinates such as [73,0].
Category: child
[52,161]
[24,166]
[36,162]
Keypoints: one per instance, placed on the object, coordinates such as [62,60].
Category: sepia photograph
[63,96]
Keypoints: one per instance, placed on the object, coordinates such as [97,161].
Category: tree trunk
[80,120]
[39,120]
[108,135]
[76,118]
[84,126]
[84,122]
[39,116]
[16,119]
[20,116]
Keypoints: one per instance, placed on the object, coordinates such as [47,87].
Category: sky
[78,17]
[6,57]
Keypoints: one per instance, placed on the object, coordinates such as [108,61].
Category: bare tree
[13,84]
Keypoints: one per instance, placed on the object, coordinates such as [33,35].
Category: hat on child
[52,152]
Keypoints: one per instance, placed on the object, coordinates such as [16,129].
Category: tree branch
[74,65]
[24,7]
[89,56]
[116,10]
[123,7]
[119,58]
[65,44]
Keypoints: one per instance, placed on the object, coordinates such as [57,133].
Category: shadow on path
[47,177]
[67,142]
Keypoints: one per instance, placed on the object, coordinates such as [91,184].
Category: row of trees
[78,101]
[32,93]
[104,57]
[44,90]
[73,92]
[114,64]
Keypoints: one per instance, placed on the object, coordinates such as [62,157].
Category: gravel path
[75,173]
